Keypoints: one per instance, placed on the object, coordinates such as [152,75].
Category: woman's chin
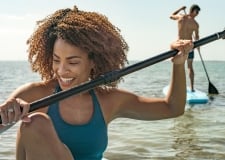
[65,86]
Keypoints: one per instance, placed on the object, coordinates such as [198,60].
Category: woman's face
[71,65]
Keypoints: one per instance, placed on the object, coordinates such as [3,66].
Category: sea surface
[199,134]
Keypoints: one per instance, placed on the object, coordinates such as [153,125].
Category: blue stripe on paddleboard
[196,97]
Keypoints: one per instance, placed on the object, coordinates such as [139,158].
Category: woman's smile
[66,82]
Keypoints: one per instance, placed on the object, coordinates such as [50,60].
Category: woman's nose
[62,69]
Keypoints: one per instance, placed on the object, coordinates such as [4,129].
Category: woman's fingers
[17,112]
[24,106]
[13,110]
[184,47]
[4,116]
[10,114]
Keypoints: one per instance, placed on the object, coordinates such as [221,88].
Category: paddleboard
[196,97]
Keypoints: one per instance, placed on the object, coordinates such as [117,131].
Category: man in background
[188,28]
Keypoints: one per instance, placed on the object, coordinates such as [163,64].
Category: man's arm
[196,35]
[174,15]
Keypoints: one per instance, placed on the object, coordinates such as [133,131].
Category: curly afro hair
[89,31]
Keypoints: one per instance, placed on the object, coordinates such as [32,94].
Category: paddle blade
[212,89]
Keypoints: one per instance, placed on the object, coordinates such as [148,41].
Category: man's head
[194,9]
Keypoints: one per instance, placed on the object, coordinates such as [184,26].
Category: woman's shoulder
[113,100]
[34,90]
[116,95]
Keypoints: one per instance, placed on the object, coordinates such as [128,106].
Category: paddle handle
[114,75]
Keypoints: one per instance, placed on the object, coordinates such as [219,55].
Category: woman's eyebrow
[69,57]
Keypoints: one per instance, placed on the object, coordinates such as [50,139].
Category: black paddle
[211,89]
[114,75]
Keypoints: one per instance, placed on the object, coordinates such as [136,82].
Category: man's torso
[186,26]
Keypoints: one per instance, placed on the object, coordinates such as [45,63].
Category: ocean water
[198,134]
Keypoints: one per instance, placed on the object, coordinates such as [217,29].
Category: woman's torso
[86,140]
[102,105]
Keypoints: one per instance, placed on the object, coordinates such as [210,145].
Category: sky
[144,24]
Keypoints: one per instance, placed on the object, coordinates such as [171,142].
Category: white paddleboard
[196,97]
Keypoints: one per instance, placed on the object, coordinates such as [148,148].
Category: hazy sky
[145,24]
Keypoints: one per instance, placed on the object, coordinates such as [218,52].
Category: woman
[68,48]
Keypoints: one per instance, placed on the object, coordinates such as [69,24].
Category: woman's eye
[55,60]
[74,63]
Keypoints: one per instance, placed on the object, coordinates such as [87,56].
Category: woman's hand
[13,110]
[184,47]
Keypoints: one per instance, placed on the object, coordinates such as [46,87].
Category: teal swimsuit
[87,141]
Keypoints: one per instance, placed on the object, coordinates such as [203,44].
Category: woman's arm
[10,110]
[137,107]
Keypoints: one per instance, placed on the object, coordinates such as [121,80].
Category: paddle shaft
[114,75]
[203,64]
